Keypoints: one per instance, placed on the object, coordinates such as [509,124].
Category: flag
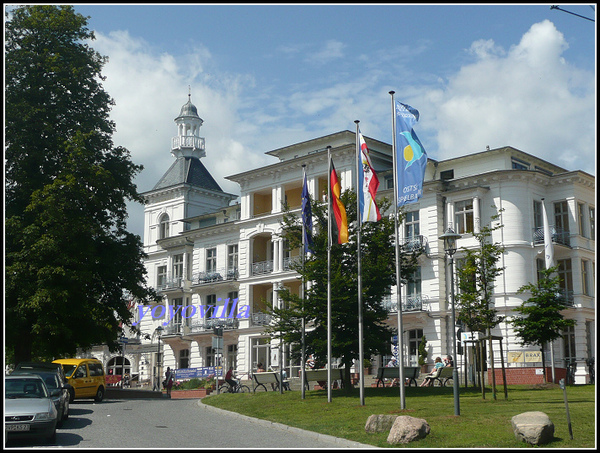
[548,246]
[367,188]
[340,226]
[411,158]
[306,218]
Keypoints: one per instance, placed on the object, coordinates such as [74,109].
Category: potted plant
[423,354]
[367,366]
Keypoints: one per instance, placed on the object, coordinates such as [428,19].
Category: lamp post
[449,238]
[159,331]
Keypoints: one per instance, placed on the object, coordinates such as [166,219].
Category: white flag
[548,246]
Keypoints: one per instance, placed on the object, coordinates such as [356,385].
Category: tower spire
[188,142]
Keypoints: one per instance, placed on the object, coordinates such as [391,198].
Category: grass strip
[483,423]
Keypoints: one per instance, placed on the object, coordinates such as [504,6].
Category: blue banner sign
[201,372]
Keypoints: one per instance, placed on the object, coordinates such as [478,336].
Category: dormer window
[163,227]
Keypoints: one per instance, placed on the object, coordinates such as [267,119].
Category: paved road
[166,423]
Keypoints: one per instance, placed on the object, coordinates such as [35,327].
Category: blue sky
[266,76]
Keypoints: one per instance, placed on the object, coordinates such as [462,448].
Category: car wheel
[99,394]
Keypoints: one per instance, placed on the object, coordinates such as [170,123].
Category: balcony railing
[288,263]
[262,267]
[199,326]
[219,275]
[260,319]
[567,297]
[414,243]
[411,303]
[559,236]
[188,141]
[170,283]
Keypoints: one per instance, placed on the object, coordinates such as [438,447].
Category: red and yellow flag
[339,230]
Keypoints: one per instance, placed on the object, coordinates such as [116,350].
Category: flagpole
[549,261]
[302,341]
[398,282]
[361,352]
[329,275]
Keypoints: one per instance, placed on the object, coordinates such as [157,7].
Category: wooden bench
[266,377]
[410,372]
[444,376]
[321,375]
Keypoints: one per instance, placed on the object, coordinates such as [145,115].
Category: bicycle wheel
[224,388]
[243,389]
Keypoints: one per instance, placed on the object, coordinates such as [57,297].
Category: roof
[188,170]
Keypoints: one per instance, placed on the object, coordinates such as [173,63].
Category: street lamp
[449,238]
[158,331]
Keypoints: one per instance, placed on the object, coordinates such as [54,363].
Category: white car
[28,408]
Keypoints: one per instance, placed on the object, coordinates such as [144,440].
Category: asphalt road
[164,423]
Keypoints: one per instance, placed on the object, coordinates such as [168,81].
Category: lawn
[483,423]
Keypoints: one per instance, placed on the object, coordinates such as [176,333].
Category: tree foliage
[476,277]
[378,275]
[71,265]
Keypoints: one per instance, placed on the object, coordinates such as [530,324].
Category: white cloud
[331,51]
[527,97]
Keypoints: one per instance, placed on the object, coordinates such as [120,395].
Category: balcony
[411,303]
[200,326]
[559,236]
[170,284]
[219,275]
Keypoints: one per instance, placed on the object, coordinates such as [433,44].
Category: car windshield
[68,369]
[24,388]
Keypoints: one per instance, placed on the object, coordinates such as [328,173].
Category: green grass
[482,422]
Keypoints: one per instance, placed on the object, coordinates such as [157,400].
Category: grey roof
[188,170]
[188,110]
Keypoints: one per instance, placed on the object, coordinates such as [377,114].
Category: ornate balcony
[187,141]
[411,303]
[262,267]
[559,236]
[219,275]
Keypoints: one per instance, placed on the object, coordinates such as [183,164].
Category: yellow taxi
[86,376]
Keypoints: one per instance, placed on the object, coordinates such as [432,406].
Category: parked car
[28,408]
[86,376]
[54,378]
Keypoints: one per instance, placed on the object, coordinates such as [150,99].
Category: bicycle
[239,388]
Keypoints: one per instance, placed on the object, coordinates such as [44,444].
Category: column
[476,215]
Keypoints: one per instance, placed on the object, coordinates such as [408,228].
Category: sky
[267,76]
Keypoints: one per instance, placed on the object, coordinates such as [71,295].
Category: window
[565,272]
[211,260]
[463,211]
[446,175]
[184,358]
[411,229]
[561,216]
[209,356]
[389,183]
[232,258]
[211,301]
[540,265]
[176,321]
[163,229]
[592,223]
[161,276]
[414,338]
[581,219]
[538,220]
[585,281]
[519,164]
[178,266]
[569,342]
[413,287]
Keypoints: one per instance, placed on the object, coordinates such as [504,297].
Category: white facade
[203,250]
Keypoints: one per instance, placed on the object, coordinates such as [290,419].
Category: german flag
[339,230]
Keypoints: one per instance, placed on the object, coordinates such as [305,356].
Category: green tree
[476,280]
[378,274]
[540,321]
[71,266]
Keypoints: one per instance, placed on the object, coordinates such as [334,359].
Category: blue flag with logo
[411,158]
[306,218]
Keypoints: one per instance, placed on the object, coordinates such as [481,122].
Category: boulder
[533,427]
[406,429]
[378,423]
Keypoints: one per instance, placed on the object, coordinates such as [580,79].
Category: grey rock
[407,429]
[533,427]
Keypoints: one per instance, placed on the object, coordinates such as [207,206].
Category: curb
[343,443]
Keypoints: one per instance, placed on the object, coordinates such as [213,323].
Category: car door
[82,382]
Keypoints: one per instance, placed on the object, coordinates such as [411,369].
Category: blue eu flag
[306,218]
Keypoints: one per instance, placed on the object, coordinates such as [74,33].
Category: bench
[267,377]
[444,376]
[410,372]
[321,375]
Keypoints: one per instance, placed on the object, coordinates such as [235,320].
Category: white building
[205,249]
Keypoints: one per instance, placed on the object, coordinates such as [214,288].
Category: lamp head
[450,238]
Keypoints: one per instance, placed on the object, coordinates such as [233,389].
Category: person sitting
[428,381]
[448,361]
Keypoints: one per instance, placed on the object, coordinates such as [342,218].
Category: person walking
[169,378]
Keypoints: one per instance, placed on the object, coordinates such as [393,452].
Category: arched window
[163,227]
